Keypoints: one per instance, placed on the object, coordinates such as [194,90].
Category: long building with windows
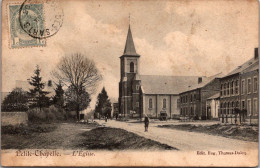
[239,89]
[193,101]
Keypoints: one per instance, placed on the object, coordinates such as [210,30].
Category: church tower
[129,85]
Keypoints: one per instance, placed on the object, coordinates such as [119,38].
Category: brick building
[239,89]
[194,100]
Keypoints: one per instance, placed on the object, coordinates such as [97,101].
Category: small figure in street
[146,123]
[106,118]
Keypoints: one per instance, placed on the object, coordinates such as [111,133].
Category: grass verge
[118,139]
[246,133]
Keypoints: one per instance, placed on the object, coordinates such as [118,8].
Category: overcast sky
[198,37]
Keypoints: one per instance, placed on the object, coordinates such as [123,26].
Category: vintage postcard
[130,83]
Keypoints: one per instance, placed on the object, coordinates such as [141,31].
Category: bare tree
[78,72]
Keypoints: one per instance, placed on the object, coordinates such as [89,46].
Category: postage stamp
[40,19]
[18,37]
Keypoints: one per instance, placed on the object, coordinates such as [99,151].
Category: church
[151,95]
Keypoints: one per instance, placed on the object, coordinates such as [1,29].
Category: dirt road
[183,140]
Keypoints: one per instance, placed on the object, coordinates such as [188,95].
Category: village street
[182,140]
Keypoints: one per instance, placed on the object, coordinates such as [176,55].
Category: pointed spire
[129,45]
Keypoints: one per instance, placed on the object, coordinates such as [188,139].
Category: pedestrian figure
[106,118]
[146,123]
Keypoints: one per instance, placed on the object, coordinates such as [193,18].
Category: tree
[38,97]
[17,100]
[103,106]
[80,73]
[77,103]
[58,99]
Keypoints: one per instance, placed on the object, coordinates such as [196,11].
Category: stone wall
[14,118]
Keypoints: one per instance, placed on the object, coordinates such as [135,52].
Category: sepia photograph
[130,83]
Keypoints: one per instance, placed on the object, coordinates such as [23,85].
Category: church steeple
[129,45]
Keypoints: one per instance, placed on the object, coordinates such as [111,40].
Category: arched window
[132,67]
[150,103]
[164,103]
[221,108]
[225,110]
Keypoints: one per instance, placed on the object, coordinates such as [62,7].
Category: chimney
[49,83]
[256,53]
[199,80]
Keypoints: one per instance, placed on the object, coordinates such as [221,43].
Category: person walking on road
[146,123]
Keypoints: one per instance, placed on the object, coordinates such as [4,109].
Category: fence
[14,118]
[236,119]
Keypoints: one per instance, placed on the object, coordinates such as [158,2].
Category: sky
[192,37]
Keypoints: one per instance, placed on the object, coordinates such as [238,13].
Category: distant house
[115,109]
[48,87]
[239,89]
[213,106]
[193,101]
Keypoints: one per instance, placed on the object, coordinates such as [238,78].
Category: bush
[17,100]
[49,114]
[26,130]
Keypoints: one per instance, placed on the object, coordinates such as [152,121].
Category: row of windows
[187,111]
[184,99]
[151,103]
[248,83]
[229,107]
[232,88]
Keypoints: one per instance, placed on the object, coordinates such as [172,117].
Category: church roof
[129,45]
[153,84]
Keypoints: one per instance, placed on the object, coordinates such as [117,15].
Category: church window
[164,103]
[150,103]
[137,87]
[132,67]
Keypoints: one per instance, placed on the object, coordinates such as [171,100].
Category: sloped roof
[253,67]
[243,67]
[204,82]
[153,84]
[215,96]
[129,45]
